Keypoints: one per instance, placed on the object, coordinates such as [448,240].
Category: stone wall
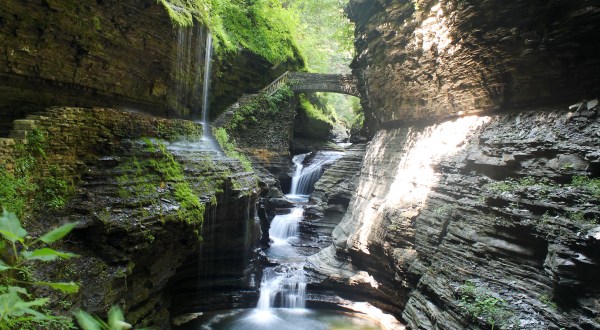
[109,53]
[428,59]
[7,154]
[263,128]
[78,135]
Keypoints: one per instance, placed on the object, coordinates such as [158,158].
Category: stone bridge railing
[315,82]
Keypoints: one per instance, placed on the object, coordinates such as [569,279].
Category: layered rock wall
[119,54]
[144,201]
[72,53]
[451,215]
[506,203]
[428,59]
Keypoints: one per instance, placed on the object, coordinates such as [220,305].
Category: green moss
[142,180]
[181,12]
[229,148]
[264,27]
[261,106]
[482,305]
[317,125]
[586,183]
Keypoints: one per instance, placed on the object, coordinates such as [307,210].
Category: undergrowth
[264,27]
[260,107]
[229,148]
[35,184]
[482,306]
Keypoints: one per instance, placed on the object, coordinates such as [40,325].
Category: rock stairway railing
[277,84]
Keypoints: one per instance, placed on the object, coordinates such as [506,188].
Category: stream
[282,301]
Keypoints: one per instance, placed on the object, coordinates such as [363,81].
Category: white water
[308,172]
[206,85]
[283,286]
[187,64]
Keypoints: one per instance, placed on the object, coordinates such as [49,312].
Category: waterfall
[192,67]
[309,168]
[287,281]
[285,285]
[285,226]
[206,85]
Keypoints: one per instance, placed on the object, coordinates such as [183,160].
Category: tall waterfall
[309,168]
[192,67]
[206,85]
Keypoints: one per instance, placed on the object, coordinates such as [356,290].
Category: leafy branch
[18,251]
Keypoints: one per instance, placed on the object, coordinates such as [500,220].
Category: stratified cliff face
[422,59]
[507,203]
[94,54]
[486,221]
[145,201]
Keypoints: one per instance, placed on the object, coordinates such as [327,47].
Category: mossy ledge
[143,203]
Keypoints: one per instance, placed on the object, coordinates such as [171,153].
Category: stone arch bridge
[315,82]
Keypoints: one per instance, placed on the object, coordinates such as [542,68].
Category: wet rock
[502,211]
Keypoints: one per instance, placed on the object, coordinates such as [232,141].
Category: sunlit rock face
[493,201]
[436,58]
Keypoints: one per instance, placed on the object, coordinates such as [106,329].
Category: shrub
[18,308]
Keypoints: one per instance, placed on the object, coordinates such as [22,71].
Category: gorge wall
[125,54]
[146,197]
[498,207]
[428,58]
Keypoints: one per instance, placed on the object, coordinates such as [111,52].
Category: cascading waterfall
[309,168]
[285,285]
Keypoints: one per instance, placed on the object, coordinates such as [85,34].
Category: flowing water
[206,85]
[192,83]
[309,168]
[282,301]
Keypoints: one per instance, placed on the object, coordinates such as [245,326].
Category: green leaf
[87,322]
[116,320]
[58,233]
[66,287]
[46,254]
[10,227]
[4,266]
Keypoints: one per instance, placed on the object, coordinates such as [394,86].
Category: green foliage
[542,185]
[260,106]
[318,125]
[34,181]
[588,184]
[325,34]
[482,306]
[548,301]
[264,27]
[116,320]
[18,308]
[55,189]
[229,148]
[311,111]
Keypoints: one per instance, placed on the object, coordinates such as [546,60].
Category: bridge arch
[316,82]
